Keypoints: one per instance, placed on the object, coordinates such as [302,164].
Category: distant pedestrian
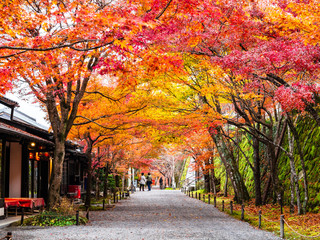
[149,181]
[142,181]
[161,183]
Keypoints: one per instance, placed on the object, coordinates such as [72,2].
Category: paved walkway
[151,215]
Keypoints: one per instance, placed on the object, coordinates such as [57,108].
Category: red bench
[30,203]
[8,202]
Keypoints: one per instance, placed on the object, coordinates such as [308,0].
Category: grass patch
[308,224]
[48,218]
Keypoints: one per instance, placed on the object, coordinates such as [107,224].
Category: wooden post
[215,201]
[117,197]
[209,199]
[231,208]
[77,217]
[222,205]
[199,196]
[22,215]
[9,236]
[259,218]
[196,195]
[282,226]
[192,194]
[242,212]
[114,197]
[103,203]
[204,197]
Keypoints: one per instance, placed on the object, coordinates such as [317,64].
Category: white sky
[29,107]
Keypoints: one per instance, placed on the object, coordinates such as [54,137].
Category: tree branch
[164,9]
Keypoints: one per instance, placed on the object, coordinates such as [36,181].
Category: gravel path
[151,215]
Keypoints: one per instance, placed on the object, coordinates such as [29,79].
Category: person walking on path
[161,183]
[149,181]
[142,181]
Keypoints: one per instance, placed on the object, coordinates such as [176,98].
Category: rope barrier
[268,220]
[272,221]
[300,233]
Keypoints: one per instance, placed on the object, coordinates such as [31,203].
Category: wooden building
[26,150]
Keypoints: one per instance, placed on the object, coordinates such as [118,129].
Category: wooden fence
[282,220]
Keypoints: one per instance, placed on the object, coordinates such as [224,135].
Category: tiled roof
[7,102]
[7,129]
[21,118]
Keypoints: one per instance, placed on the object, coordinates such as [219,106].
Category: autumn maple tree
[53,47]
[106,120]
[250,61]
[243,73]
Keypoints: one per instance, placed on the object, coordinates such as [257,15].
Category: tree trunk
[56,173]
[256,172]
[291,193]
[225,194]
[206,182]
[274,172]
[123,181]
[240,190]
[213,187]
[206,175]
[89,170]
[266,190]
[105,184]
[89,181]
[302,162]
[294,177]
[97,188]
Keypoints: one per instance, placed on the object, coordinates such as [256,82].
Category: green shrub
[49,218]
[62,214]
